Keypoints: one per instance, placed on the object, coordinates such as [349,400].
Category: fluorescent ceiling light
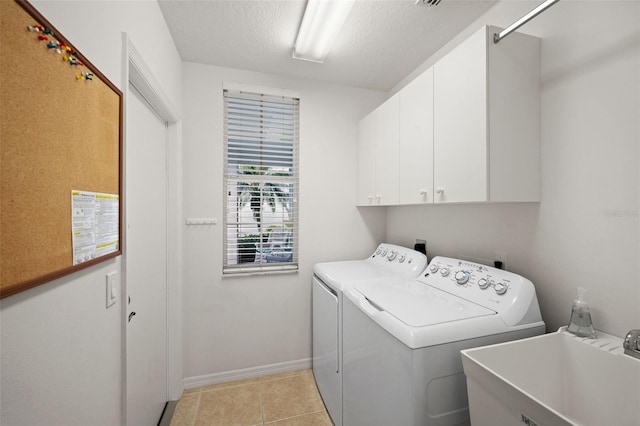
[321,23]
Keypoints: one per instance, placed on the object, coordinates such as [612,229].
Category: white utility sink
[554,379]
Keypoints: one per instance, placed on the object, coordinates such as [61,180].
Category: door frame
[136,72]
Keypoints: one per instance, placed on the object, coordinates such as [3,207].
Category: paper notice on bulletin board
[94,224]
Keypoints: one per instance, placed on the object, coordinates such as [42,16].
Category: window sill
[253,271]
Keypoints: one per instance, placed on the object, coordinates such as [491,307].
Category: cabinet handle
[440,190]
[423,192]
[378,198]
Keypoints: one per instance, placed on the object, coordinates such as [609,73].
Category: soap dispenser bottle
[580,323]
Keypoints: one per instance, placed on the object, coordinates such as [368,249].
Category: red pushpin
[44,38]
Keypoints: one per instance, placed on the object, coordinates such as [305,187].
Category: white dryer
[402,340]
[388,263]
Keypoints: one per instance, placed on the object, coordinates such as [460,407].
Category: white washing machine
[388,263]
[402,340]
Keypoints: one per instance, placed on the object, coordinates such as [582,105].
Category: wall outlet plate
[501,256]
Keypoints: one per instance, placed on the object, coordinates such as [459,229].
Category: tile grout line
[195,415]
[296,416]
[261,388]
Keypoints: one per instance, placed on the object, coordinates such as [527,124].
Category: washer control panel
[485,285]
[468,274]
[403,261]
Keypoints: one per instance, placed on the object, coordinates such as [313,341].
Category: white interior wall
[61,349]
[585,231]
[243,322]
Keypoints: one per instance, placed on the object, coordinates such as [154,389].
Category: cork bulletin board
[60,135]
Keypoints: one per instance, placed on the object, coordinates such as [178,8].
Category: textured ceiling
[381,42]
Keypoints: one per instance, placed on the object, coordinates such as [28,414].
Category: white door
[146,263]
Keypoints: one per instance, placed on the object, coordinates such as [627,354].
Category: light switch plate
[112,288]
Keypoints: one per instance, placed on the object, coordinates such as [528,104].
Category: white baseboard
[246,373]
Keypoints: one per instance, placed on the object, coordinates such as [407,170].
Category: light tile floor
[288,399]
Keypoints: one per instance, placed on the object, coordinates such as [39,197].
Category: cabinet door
[514,118]
[386,157]
[366,160]
[416,140]
[460,123]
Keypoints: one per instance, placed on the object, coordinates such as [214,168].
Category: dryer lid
[418,305]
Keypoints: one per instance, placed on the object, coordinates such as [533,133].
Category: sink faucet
[631,343]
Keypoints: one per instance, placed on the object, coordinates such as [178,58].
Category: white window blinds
[261,183]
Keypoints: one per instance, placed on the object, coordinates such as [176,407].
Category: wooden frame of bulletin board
[60,155]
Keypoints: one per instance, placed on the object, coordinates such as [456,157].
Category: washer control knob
[402,258]
[444,271]
[434,268]
[461,277]
[392,255]
[383,252]
[500,289]
[378,251]
[483,283]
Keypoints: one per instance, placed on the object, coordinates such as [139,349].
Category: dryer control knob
[434,268]
[500,289]
[402,258]
[461,277]
[392,255]
[483,283]
[383,252]
[444,271]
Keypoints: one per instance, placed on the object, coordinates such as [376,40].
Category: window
[261,182]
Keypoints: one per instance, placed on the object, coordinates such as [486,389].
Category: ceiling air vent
[428,3]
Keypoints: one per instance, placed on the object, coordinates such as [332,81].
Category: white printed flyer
[94,224]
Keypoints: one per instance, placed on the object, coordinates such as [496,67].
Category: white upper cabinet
[487,120]
[387,161]
[466,130]
[366,160]
[460,143]
[378,172]
[416,140]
